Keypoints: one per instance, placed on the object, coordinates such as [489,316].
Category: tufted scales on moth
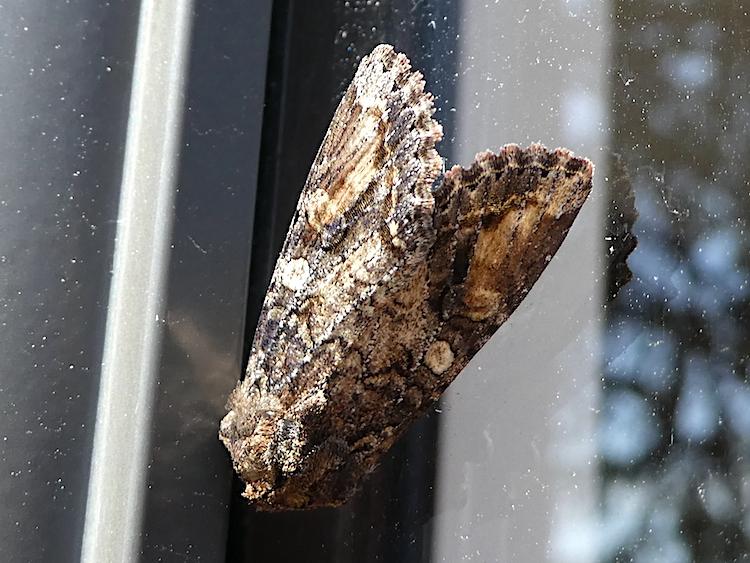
[403,284]
[439,357]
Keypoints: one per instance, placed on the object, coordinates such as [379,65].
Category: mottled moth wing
[365,211]
[386,287]
[498,223]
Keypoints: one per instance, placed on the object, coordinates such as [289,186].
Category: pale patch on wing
[295,273]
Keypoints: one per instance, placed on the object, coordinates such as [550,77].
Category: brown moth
[387,285]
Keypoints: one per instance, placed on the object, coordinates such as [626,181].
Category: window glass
[591,427]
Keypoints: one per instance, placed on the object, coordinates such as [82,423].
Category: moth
[390,280]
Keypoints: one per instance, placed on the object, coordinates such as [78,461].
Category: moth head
[248,431]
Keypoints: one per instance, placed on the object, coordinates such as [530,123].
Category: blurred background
[162,147]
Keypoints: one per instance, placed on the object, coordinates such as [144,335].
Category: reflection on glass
[675,419]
